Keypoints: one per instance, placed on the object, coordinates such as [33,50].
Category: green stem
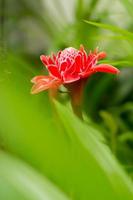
[77,109]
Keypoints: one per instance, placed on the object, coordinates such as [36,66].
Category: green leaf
[115,29]
[62,148]
[111,124]
[79,9]
[128,4]
[20,181]
[99,158]
[128,136]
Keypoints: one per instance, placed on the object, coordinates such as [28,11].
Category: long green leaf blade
[111,28]
[20,181]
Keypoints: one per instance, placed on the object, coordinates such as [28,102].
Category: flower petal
[57,57]
[53,70]
[63,66]
[68,78]
[96,51]
[50,61]
[86,74]
[36,79]
[83,56]
[101,55]
[81,47]
[92,60]
[78,63]
[42,85]
[78,60]
[44,59]
[105,68]
[71,69]
[54,57]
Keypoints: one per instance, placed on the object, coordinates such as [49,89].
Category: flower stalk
[76,95]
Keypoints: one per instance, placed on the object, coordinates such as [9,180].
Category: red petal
[41,78]
[39,87]
[53,70]
[44,59]
[84,58]
[78,62]
[63,66]
[54,56]
[69,63]
[83,55]
[50,61]
[86,74]
[58,54]
[70,78]
[57,57]
[105,68]
[101,55]
[92,60]
[72,69]
[42,85]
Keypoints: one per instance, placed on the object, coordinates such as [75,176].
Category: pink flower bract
[69,66]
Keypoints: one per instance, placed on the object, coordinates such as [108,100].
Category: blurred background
[31,28]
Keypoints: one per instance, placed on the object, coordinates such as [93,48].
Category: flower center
[68,53]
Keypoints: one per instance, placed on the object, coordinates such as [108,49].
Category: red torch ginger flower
[68,66]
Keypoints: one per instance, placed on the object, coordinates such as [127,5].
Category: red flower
[69,66]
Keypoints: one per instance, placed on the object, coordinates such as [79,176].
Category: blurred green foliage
[71,159]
